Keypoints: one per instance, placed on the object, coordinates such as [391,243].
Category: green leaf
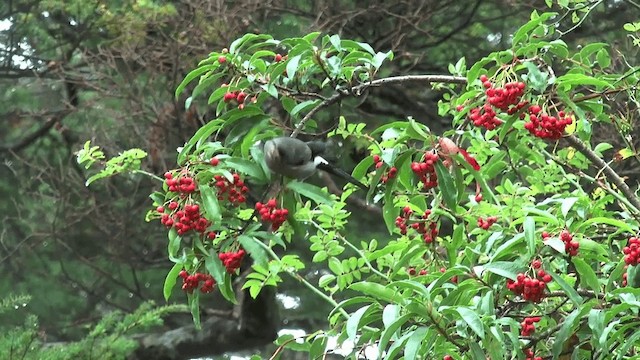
[555,243]
[389,213]
[247,167]
[603,58]
[354,321]
[621,225]
[292,66]
[566,330]
[596,324]
[194,306]
[537,79]
[586,274]
[170,280]
[310,191]
[447,187]
[582,80]
[391,330]
[567,204]
[414,342]
[192,75]
[219,273]
[254,248]
[530,234]
[378,291]
[174,243]
[570,291]
[210,202]
[472,319]
[506,269]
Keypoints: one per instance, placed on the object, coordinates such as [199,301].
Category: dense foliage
[541,259]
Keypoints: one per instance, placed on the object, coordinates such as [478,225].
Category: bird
[296,159]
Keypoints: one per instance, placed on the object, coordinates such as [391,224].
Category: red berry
[214,161]
[222,59]
[277,58]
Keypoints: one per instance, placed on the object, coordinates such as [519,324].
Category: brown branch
[44,129]
[605,168]
[360,89]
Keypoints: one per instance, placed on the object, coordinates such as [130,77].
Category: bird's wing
[300,155]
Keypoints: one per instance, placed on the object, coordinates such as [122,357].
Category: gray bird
[297,159]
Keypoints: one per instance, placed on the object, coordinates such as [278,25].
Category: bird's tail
[325,166]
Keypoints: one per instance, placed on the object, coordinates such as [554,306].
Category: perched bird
[297,159]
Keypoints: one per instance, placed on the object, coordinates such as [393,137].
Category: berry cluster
[184,184]
[632,251]
[530,355]
[544,126]
[392,173]
[528,326]
[426,170]
[232,260]
[234,190]
[237,95]
[486,224]
[504,99]
[412,271]
[507,98]
[531,289]
[270,213]
[428,229]
[484,116]
[192,282]
[184,219]
[570,246]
